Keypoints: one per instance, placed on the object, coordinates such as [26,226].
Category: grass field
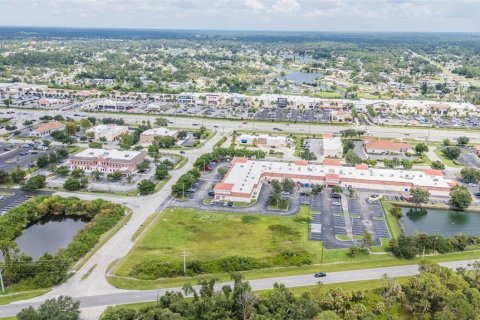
[208,235]
[10,297]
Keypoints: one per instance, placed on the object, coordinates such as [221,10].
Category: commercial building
[109,132]
[149,135]
[263,140]
[245,178]
[386,146]
[332,147]
[44,129]
[107,160]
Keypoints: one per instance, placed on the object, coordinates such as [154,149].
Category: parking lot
[11,198]
[13,155]
[329,219]
[293,115]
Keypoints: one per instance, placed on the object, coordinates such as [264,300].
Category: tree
[127,140]
[70,128]
[96,175]
[352,158]
[348,145]
[35,182]
[287,185]
[164,141]
[161,122]
[42,161]
[407,164]
[460,197]
[85,123]
[72,184]
[4,177]
[115,176]
[437,165]
[61,308]
[463,141]
[18,175]
[470,174]
[161,172]
[396,212]
[143,166]
[77,173]
[419,195]
[354,250]
[446,142]
[421,148]
[62,171]
[367,240]
[451,153]
[146,187]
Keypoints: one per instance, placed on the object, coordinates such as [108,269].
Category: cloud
[286,6]
[255,5]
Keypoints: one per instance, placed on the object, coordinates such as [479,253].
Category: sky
[288,15]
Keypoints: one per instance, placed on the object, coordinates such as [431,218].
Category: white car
[335,203]
[471,184]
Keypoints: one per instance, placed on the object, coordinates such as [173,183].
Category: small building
[282,102]
[386,146]
[45,128]
[107,160]
[263,140]
[332,147]
[109,132]
[149,135]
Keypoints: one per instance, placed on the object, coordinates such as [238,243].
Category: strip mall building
[246,177]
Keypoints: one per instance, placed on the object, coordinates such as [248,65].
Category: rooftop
[113,154]
[387,145]
[244,175]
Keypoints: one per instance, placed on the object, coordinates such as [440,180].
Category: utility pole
[183,190]
[1,281]
[184,255]
[321,261]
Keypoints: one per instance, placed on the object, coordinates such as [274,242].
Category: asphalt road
[230,125]
[123,297]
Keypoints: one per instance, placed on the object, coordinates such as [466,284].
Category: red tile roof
[433,172]
[331,162]
[362,166]
[239,160]
[223,186]
[48,126]
[301,162]
[387,145]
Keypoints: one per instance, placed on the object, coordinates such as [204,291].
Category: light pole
[1,281]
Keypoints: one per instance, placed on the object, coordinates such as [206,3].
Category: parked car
[471,184]
[320,275]
[335,196]
[336,203]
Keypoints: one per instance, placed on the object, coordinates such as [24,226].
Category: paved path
[92,303]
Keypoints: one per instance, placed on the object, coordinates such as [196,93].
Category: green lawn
[10,297]
[392,222]
[448,162]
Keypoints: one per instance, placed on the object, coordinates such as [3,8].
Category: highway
[89,301]
[225,125]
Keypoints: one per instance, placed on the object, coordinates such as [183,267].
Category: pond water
[444,222]
[49,235]
[301,77]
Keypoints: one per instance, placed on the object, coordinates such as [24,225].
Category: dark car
[320,275]
[335,196]
[477,194]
